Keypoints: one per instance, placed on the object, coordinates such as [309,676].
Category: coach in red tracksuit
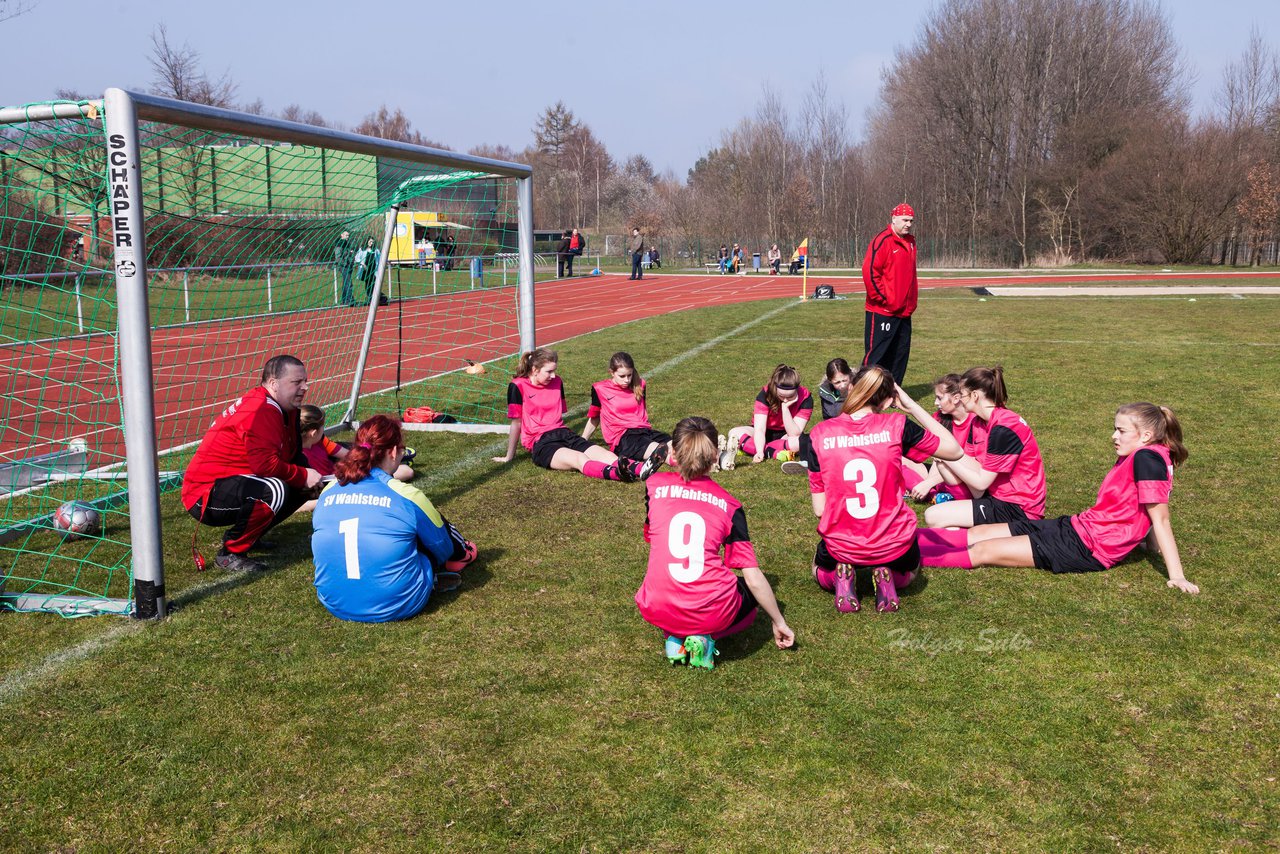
[889,275]
[249,472]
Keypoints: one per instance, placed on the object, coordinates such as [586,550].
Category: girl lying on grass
[536,407]
[689,591]
[1133,504]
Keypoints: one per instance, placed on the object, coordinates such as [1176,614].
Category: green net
[254,248]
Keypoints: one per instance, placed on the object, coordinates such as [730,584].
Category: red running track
[64,388]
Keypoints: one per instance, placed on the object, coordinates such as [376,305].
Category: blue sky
[659,78]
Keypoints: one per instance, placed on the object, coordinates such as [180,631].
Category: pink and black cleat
[846,594]
[886,592]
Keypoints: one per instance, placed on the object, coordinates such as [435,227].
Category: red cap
[903,209]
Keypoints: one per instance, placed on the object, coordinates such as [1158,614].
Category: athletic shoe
[702,651]
[446,581]
[464,561]
[846,593]
[653,463]
[729,456]
[233,562]
[795,467]
[942,497]
[625,469]
[675,651]
[409,454]
[886,592]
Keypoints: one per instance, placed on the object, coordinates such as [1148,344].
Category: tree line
[1024,132]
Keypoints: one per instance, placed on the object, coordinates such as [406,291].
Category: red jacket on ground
[889,274]
[251,436]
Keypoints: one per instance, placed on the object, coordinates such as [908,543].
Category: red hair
[374,439]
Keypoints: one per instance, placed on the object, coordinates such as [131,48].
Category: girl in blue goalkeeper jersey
[380,547]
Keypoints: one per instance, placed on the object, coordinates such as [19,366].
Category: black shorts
[1056,546]
[636,441]
[993,511]
[553,440]
[749,602]
[908,561]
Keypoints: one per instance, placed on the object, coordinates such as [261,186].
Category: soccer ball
[77,520]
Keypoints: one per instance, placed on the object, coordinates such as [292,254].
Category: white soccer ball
[77,520]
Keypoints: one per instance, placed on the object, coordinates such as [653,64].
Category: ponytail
[624,360]
[989,381]
[871,386]
[534,359]
[1164,426]
[374,439]
[694,443]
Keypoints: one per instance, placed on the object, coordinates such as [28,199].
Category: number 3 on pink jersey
[862,474]
[687,541]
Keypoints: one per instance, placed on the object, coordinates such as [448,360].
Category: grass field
[533,710]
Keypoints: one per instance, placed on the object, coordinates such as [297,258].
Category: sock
[944,547]
[826,579]
[598,470]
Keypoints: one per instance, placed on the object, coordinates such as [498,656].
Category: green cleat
[702,651]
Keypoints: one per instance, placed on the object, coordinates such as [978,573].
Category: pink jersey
[968,430]
[857,462]
[1118,522]
[688,589]
[539,408]
[618,410]
[773,423]
[1012,452]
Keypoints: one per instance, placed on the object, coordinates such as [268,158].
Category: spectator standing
[637,254]
[562,254]
[344,260]
[889,276]
[248,472]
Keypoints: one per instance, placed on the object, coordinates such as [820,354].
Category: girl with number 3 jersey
[689,591]
[855,479]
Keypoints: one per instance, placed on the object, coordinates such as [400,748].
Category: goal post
[154,254]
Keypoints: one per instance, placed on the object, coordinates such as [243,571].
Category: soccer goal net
[154,254]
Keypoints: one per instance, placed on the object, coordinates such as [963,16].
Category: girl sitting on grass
[1005,468]
[782,409]
[619,408]
[927,483]
[689,591]
[835,387]
[536,407]
[322,452]
[1133,504]
[380,547]
[855,477]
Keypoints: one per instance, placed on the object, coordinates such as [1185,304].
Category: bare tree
[178,74]
[386,124]
[14,8]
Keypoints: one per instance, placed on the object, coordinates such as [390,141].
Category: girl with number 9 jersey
[689,590]
[855,481]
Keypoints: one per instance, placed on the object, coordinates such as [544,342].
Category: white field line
[1093,342]
[18,681]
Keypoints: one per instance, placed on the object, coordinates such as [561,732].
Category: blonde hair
[871,386]
[1164,427]
[694,443]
